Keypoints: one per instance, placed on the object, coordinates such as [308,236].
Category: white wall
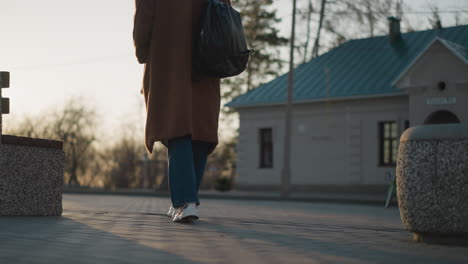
[332,143]
[248,154]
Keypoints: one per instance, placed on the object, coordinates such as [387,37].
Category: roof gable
[459,51]
[362,67]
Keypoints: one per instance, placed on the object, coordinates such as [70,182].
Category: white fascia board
[321,100]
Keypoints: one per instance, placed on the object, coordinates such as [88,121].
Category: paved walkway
[131,229]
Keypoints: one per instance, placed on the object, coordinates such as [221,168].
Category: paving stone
[121,229]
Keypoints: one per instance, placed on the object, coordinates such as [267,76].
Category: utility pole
[286,172]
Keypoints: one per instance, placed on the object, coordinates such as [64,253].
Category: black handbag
[220,48]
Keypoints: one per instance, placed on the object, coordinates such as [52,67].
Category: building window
[266,148]
[388,141]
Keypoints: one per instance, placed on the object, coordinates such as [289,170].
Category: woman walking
[181,113]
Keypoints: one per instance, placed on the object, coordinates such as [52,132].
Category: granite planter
[31,177]
[432,183]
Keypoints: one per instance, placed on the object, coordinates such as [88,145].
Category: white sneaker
[171,212]
[186,213]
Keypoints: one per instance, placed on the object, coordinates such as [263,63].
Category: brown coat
[176,105]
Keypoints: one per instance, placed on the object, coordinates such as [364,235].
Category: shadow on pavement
[325,245]
[63,240]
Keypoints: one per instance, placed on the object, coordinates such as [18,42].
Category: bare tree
[29,126]
[308,18]
[75,125]
[124,159]
[315,50]
[341,20]
[435,20]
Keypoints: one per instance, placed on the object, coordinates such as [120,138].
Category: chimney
[394,29]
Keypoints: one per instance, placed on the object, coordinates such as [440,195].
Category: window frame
[262,146]
[391,139]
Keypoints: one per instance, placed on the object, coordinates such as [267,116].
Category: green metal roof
[361,67]
[459,50]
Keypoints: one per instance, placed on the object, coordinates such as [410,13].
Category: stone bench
[432,183]
[31,177]
[31,171]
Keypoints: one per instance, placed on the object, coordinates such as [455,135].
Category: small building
[350,106]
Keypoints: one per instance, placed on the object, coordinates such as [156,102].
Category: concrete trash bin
[31,177]
[432,182]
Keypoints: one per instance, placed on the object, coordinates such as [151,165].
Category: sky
[57,49]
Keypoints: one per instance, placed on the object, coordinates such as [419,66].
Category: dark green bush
[223,184]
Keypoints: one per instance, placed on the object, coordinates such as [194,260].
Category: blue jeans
[187,162]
